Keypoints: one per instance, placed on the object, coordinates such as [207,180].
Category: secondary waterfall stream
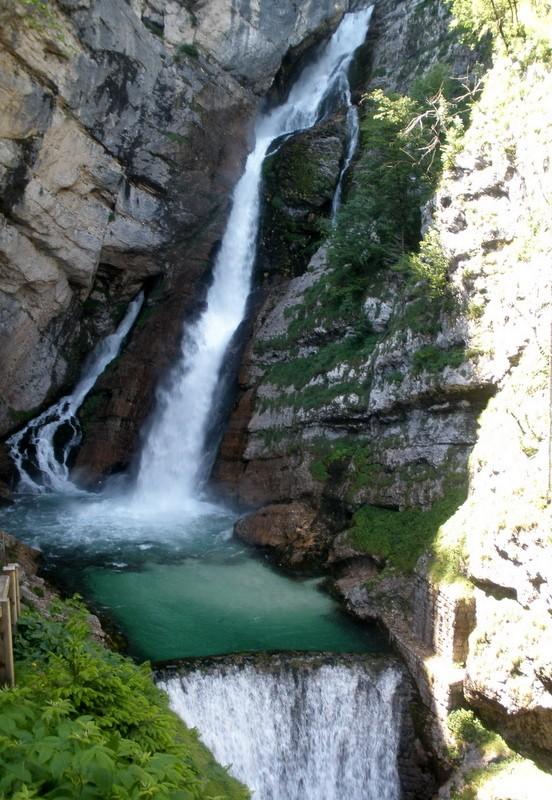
[298,729]
[41,460]
[163,563]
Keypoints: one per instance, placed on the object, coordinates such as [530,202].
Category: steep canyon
[390,421]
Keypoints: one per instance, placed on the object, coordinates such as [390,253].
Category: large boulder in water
[291,530]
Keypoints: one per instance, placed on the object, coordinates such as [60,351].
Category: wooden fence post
[12,571]
[7,671]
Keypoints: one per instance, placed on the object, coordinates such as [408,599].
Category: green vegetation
[297,372]
[464,727]
[312,396]
[518,27]
[186,49]
[37,14]
[86,722]
[177,138]
[435,359]
[404,144]
[404,141]
[401,537]
[381,218]
[154,27]
[20,418]
[465,730]
[357,460]
[429,264]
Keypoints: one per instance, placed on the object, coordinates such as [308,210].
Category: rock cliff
[123,131]
[359,434]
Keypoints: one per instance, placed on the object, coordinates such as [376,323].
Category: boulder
[291,530]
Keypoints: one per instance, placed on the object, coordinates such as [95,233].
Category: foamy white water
[36,442]
[304,732]
[170,470]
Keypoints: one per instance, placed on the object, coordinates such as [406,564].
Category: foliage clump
[434,359]
[86,722]
[404,144]
[521,28]
[188,49]
[298,372]
[464,726]
[401,537]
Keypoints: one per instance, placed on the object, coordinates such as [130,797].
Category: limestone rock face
[407,38]
[502,252]
[248,39]
[124,129]
[99,165]
[417,432]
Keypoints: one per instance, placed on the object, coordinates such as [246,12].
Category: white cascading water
[328,732]
[353,132]
[171,461]
[36,442]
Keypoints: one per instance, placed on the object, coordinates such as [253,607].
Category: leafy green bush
[518,27]
[186,49]
[86,722]
[430,264]
[401,537]
[464,726]
[404,140]
[381,218]
[434,359]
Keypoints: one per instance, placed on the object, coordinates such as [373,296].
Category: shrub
[519,27]
[86,722]
[401,537]
[430,264]
[187,49]
[435,359]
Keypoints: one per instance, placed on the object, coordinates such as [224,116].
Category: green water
[181,586]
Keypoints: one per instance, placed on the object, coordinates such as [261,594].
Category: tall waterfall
[42,449]
[170,469]
[302,731]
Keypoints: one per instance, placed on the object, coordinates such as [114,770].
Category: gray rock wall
[124,129]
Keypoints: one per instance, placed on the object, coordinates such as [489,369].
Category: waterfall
[295,729]
[353,132]
[42,449]
[170,469]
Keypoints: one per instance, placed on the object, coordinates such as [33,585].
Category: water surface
[179,585]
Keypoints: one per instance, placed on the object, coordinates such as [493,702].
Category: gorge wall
[401,422]
[124,129]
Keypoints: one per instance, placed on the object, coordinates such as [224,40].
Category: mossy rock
[300,179]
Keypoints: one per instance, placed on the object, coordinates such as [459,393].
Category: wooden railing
[10,608]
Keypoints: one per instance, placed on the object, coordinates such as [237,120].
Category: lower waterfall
[298,728]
